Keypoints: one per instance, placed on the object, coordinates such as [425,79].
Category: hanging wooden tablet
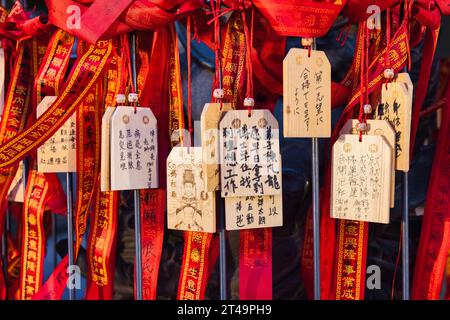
[2,80]
[189,206]
[379,128]
[105,161]
[253,212]
[249,154]
[403,77]
[209,123]
[15,193]
[58,154]
[361,174]
[134,149]
[397,107]
[306,94]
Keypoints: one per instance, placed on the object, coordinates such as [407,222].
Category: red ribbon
[152,230]
[300,18]
[255,264]
[101,252]
[434,242]
[117,16]
[18,25]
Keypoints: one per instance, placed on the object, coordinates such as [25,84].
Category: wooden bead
[121,99]
[133,97]
[218,93]
[307,42]
[388,73]
[249,102]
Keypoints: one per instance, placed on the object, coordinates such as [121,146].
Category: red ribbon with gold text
[84,74]
[155,95]
[434,242]
[300,18]
[152,228]
[33,242]
[194,268]
[34,206]
[194,271]
[398,56]
[233,60]
[88,159]
[101,249]
[101,252]
[14,118]
[351,260]
[15,113]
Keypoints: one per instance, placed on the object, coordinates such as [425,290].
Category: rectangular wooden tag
[105,164]
[381,128]
[189,206]
[361,174]
[59,153]
[403,77]
[306,94]
[397,108]
[254,212]
[209,123]
[249,154]
[134,149]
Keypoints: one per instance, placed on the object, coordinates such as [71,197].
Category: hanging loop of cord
[189,97]
[307,43]
[365,107]
[249,102]
[218,92]
[128,70]
[388,71]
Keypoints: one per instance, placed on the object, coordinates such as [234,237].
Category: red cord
[248,59]
[396,263]
[366,84]
[388,42]
[217,13]
[217,46]
[361,74]
[344,31]
[388,37]
[189,99]
[364,76]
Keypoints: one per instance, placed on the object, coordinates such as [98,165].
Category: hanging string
[388,43]
[125,53]
[218,12]
[189,98]
[215,7]
[345,30]
[125,65]
[249,41]
[363,78]
[407,16]
[397,262]
[366,65]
